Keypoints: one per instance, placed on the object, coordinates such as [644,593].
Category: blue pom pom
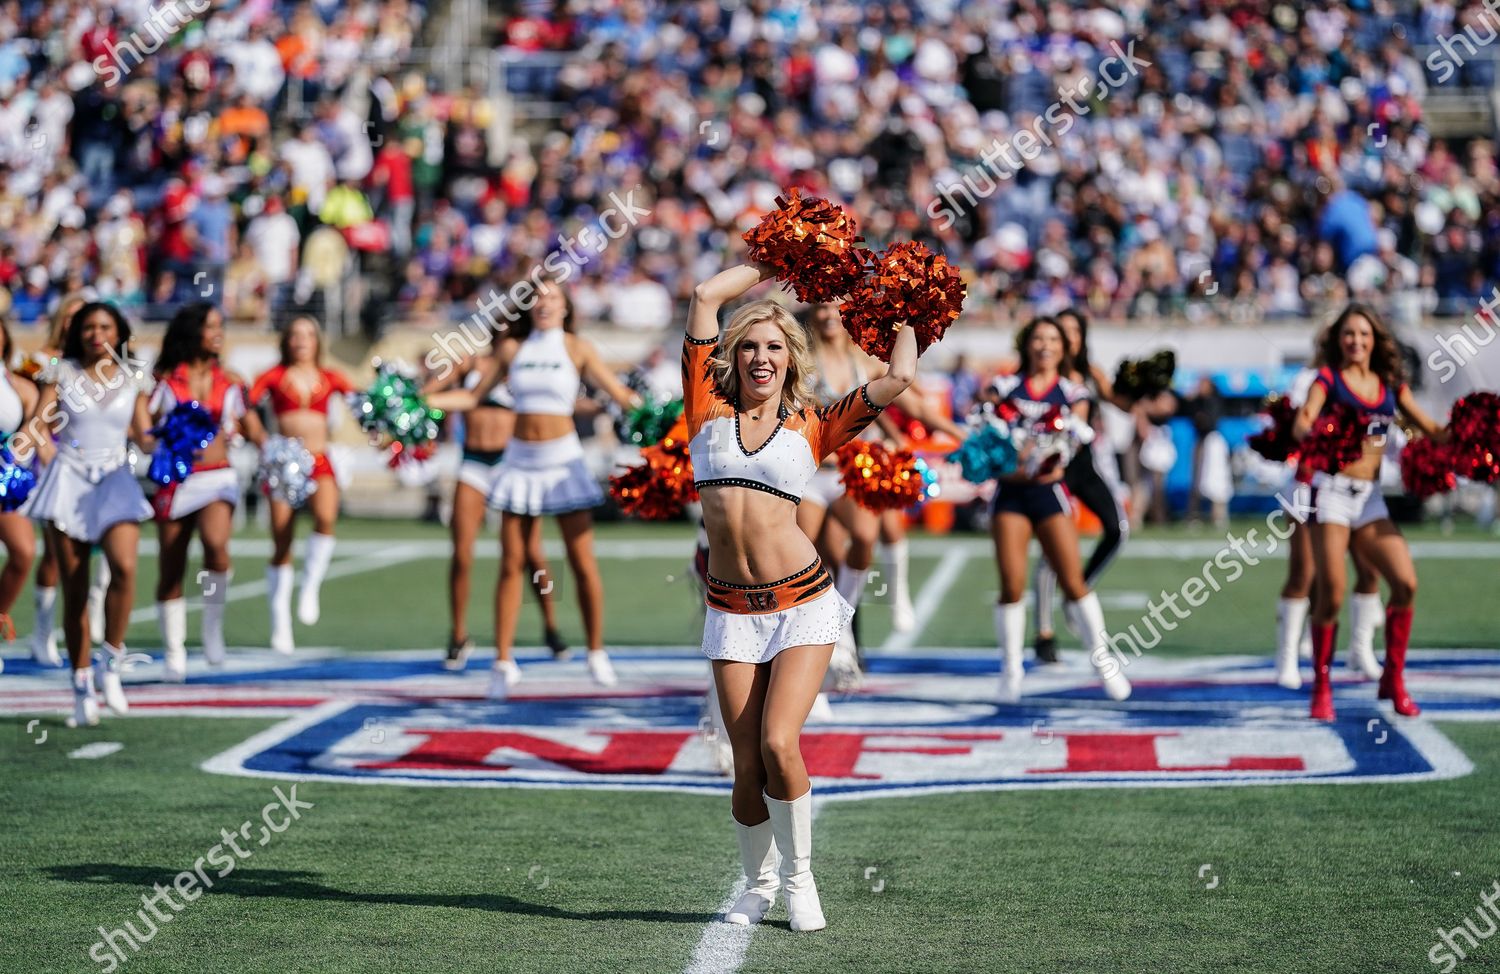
[987,454]
[185,431]
[16,481]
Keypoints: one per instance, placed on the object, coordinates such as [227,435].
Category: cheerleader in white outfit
[188,370]
[88,494]
[488,428]
[773,610]
[18,401]
[543,472]
[301,392]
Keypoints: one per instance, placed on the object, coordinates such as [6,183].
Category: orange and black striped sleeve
[841,421]
[698,390]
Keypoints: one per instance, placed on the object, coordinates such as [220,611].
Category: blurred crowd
[1258,159]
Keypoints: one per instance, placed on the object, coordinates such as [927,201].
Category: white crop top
[96,417]
[543,379]
[11,410]
[788,459]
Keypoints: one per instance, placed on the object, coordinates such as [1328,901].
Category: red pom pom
[1474,437]
[1336,440]
[812,244]
[880,479]
[658,488]
[909,283]
[1427,468]
[1275,442]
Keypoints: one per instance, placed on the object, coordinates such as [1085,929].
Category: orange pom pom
[880,479]
[906,283]
[812,244]
[657,489]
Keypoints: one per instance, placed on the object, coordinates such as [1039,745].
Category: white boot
[843,665]
[171,616]
[1010,633]
[1304,648]
[1291,618]
[758,856]
[85,704]
[44,636]
[108,676]
[279,593]
[600,668]
[791,826]
[1366,613]
[504,674]
[898,564]
[315,560]
[215,589]
[96,599]
[851,583]
[1088,619]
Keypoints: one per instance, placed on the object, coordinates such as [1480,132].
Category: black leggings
[1085,483]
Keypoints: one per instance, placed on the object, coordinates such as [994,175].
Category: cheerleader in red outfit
[300,389]
[1362,370]
[773,611]
[188,370]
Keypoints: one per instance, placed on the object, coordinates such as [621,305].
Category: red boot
[1392,684]
[1323,640]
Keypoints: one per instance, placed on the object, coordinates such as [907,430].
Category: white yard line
[392,554]
[721,949]
[930,599]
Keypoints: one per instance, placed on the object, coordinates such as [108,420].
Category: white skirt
[545,477]
[757,638]
[483,477]
[202,488]
[86,499]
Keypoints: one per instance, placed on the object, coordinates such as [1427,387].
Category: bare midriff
[753,538]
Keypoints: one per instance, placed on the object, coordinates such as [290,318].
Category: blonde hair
[797,389]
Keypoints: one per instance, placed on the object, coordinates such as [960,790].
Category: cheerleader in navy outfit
[543,472]
[188,370]
[1362,370]
[1084,481]
[773,609]
[1024,506]
[18,401]
[488,427]
[88,494]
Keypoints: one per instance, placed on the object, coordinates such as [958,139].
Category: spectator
[640,304]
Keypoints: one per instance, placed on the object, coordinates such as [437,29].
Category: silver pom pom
[286,468]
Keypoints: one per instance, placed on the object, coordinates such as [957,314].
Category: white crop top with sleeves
[96,417]
[785,463]
[543,379]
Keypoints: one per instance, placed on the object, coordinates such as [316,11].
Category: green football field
[392,876]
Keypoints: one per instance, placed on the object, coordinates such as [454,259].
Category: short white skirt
[1344,500]
[825,487]
[202,488]
[86,499]
[757,638]
[545,477]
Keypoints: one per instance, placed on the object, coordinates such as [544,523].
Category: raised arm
[901,371]
[1106,387]
[594,369]
[717,291]
[460,400]
[1418,416]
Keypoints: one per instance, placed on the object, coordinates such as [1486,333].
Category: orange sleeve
[263,384]
[839,422]
[698,391]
